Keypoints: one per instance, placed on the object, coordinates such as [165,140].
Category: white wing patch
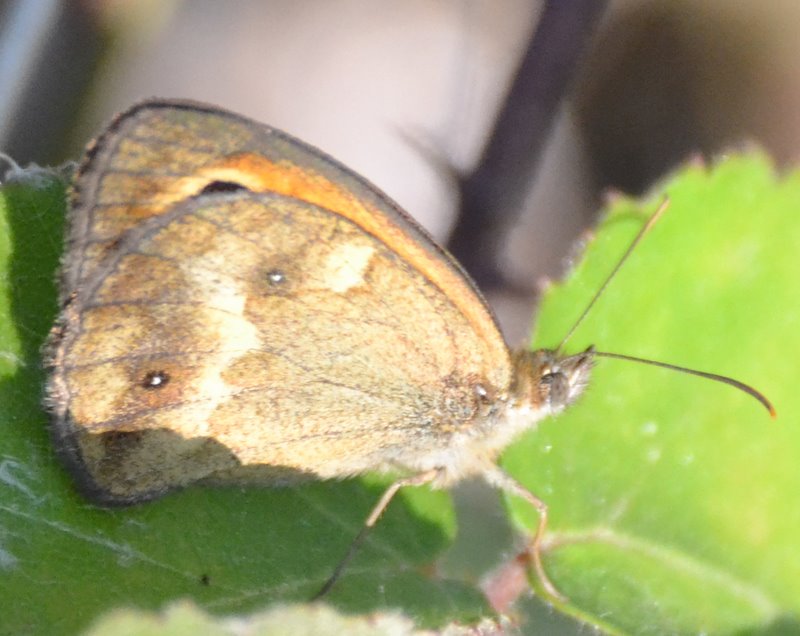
[345,267]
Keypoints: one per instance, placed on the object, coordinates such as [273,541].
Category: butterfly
[238,307]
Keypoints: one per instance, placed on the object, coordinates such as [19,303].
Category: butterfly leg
[414,480]
[506,483]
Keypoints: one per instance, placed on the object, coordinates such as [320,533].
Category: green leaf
[672,499]
[63,562]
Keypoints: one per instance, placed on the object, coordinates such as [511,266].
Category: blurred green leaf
[186,619]
[672,499]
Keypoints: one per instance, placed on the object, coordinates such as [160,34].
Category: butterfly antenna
[746,388]
[637,239]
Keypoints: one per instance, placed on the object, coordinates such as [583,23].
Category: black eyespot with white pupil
[276,277]
[155,380]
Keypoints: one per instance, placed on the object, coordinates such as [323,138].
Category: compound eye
[554,388]
[548,379]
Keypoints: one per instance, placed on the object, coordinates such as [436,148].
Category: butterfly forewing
[253,305]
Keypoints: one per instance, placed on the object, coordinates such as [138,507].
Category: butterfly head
[548,381]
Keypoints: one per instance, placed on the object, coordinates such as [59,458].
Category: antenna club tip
[772,412]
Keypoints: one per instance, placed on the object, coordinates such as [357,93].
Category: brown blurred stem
[492,195]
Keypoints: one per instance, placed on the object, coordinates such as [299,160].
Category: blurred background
[604,95]
[499,124]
